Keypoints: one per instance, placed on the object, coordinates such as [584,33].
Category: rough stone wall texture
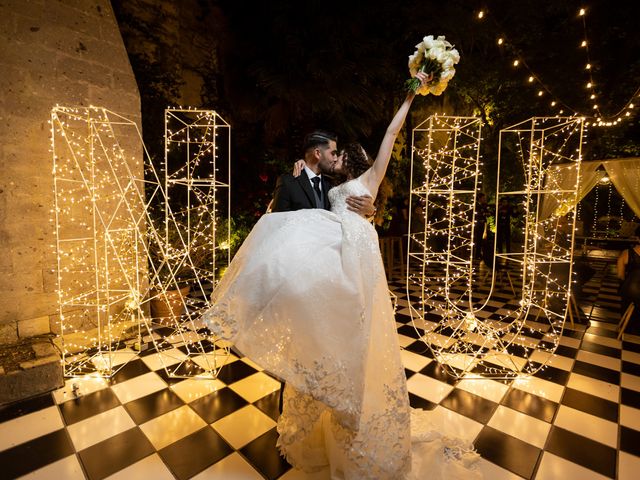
[66,52]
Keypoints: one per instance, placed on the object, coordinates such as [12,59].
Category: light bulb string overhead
[597,116]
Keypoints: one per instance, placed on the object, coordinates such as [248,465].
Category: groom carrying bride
[306,298]
[310,187]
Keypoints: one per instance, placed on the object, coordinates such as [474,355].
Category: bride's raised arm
[373,177]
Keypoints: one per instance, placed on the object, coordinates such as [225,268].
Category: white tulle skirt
[306,297]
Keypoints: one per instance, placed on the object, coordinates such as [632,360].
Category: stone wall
[66,52]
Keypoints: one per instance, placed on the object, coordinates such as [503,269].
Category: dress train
[306,297]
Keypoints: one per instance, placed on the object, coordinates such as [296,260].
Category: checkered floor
[578,418]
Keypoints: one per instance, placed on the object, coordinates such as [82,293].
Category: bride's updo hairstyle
[355,161]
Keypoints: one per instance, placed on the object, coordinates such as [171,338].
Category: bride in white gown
[306,297]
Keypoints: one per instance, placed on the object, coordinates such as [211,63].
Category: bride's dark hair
[355,161]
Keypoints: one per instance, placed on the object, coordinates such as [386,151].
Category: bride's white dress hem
[306,298]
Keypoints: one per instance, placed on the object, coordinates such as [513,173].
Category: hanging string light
[590,87]
[596,203]
[594,116]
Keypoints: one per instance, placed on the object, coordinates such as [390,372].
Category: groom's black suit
[295,193]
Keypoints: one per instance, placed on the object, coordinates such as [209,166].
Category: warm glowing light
[553,104]
[531,79]
[481,14]
[582,12]
[516,63]
[440,245]
[500,41]
[106,234]
[584,43]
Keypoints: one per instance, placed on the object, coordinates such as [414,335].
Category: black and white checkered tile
[578,418]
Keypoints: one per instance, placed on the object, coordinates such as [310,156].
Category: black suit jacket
[296,193]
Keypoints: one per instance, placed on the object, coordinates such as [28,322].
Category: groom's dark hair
[318,138]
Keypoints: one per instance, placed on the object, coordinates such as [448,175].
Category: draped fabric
[563,179]
[624,174]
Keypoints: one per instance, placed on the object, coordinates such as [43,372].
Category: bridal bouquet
[435,56]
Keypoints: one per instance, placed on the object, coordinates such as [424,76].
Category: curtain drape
[625,176]
[562,179]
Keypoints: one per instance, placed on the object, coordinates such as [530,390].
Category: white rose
[442,56]
[454,55]
[447,74]
[428,41]
[443,41]
[434,53]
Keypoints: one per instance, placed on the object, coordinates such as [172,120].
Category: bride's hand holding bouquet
[437,57]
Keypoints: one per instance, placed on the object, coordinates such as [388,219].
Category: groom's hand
[362,205]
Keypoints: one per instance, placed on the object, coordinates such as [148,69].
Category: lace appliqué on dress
[377,450]
[446,451]
[306,298]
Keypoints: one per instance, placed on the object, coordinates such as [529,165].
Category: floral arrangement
[436,56]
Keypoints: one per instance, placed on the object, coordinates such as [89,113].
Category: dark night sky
[341,63]
[285,67]
[283,38]
[291,65]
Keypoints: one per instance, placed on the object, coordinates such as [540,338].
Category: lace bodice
[338,195]
[358,234]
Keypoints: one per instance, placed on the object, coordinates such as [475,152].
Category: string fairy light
[590,84]
[105,233]
[94,295]
[439,265]
[201,219]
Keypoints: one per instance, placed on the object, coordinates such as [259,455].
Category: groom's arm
[362,205]
[281,196]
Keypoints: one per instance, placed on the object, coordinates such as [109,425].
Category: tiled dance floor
[578,418]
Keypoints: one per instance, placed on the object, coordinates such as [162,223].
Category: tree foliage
[278,69]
